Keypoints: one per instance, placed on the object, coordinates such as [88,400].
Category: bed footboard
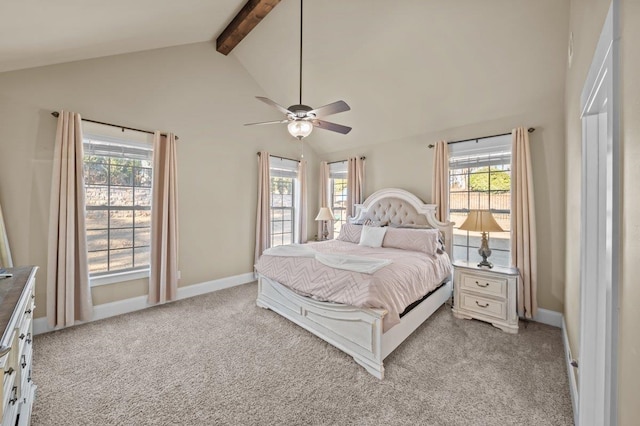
[355,331]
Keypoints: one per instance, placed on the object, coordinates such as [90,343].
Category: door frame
[600,231]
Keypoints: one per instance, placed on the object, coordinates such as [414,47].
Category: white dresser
[17,302]
[486,294]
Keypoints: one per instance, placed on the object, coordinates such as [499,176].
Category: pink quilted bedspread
[408,278]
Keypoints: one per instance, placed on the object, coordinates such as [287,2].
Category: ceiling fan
[302,118]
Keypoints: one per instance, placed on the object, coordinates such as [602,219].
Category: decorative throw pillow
[372,236]
[377,223]
[422,240]
[350,233]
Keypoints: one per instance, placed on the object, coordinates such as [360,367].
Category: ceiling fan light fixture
[300,128]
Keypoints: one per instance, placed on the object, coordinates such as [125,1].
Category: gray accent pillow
[350,233]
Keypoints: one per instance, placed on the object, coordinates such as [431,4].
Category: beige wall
[407,164]
[629,368]
[201,95]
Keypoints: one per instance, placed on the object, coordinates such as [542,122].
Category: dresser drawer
[489,286]
[481,305]
[10,414]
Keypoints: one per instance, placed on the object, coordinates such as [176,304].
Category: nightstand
[486,294]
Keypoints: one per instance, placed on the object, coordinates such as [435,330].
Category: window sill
[118,277]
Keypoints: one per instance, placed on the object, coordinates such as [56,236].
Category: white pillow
[372,236]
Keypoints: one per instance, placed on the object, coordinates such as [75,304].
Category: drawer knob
[22,336]
[9,371]
[482,306]
[480,285]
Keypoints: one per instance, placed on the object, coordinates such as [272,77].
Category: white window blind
[338,170]
[283,167]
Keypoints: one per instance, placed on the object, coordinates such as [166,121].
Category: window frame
[338,172]
[135,141]
[284,169]
[466,160]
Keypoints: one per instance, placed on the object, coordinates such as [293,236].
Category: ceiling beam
[249,16]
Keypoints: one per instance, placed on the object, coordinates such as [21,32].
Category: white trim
[120,307]
[571,372]
[215,285]
[600,232]
[118,277]
[549,317]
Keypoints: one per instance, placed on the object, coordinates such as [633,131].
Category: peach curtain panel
[302,208]
[355,183]
[263,231]
[523,223]
[325,195]
[440,185]
[163,282]
[68,292]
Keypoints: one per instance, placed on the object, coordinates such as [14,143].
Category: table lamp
[325,214]
[482,221]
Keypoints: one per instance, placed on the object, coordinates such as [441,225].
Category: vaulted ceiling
[406,67]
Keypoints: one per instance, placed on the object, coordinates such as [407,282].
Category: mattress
[408,278]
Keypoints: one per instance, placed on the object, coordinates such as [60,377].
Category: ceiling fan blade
[332,126]
[275,105]
[266,122]
[333,108]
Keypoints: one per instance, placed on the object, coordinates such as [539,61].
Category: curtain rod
[57,114]
[530,130]
[282,158]
[344,161]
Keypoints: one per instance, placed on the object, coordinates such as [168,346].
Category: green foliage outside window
[480,178]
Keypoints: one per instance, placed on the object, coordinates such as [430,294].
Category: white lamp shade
[300,128]
[325,213]
[481,221]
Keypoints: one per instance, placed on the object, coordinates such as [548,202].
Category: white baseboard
[573,386]
[106,310]
[545,316]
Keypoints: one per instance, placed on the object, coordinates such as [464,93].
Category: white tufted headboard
[399,207]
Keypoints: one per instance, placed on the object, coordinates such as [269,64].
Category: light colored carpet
[219,359]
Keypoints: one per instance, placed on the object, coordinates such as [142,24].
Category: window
[284,174]
[338,188]
[480,178]
[118,178]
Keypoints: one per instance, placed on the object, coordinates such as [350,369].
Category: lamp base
[485,252]
[485,262]
[325,231]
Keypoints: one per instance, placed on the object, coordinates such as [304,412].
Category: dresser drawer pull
[28,337]
[480,285]
[9,371]
[33,296]
[22,336]
[14,399]
[28,311]
[24,361]
[482,306]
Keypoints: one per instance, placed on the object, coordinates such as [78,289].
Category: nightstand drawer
[493,308]
[489,286]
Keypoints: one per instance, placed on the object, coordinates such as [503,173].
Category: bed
[368,334]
